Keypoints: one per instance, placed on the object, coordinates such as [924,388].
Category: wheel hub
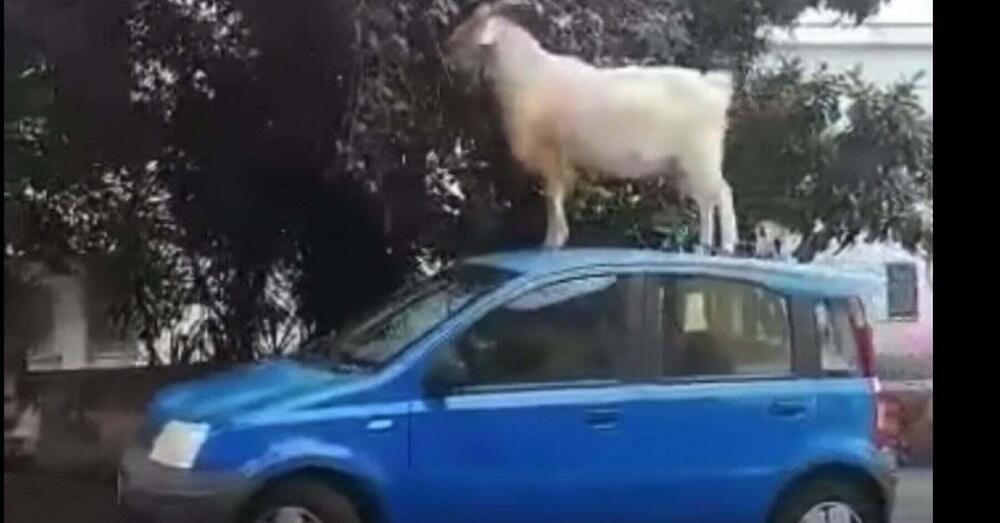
[831,512]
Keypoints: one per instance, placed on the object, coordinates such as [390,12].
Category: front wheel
[830,501]
[302,501]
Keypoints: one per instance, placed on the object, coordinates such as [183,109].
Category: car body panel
[629,451]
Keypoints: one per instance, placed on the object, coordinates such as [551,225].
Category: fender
[288,456]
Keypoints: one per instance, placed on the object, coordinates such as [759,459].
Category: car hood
[222,397]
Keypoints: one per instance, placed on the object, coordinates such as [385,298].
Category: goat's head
[468,48]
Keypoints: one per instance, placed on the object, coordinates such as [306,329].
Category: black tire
[320,499]
[862,501]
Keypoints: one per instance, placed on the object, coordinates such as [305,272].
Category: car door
[541,428]
[725,416]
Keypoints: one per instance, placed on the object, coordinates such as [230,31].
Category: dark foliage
[261,170]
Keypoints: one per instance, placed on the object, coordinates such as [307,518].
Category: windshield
[370,341]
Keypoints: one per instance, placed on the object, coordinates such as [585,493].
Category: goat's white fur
[562,116]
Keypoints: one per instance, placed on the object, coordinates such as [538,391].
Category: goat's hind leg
[706,186]
[727,219]
[706,219]
[556,229]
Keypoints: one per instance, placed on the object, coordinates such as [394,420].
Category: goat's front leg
[557,230]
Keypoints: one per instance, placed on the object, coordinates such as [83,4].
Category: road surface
[34,498]
[915,502]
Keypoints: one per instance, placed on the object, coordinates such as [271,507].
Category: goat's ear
[488,35]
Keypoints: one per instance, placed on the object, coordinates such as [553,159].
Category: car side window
[574,330]
[838,348]
[711,327]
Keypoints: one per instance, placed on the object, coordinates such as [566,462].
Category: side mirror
[444,377]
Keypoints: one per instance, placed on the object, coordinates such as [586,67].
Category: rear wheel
[302,501]
[830,501]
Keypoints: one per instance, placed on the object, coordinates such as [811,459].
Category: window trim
[805,353]
[735,379]
[540,386]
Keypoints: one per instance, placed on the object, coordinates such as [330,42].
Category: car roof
[788,277]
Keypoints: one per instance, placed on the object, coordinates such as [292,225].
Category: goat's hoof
[556,243]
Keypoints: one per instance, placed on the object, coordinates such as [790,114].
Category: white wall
[896,336]
[895,44]
[899,337]
[69,344]
[67,341]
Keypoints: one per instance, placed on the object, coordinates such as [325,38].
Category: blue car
[582,385]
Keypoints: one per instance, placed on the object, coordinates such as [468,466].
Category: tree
[263,170]
[413,126]
[833,157]
[253,96]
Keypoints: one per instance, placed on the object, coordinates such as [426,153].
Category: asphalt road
[915,496]
[34,498]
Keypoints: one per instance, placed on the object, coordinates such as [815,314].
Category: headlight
[178,444]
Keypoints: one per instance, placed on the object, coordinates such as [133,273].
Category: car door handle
[602,418]
[787,408]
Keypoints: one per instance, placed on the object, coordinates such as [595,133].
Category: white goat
[562,116]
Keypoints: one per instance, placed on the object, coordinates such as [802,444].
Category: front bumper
[151,493]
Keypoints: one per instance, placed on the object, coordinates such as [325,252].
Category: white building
[896,43]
